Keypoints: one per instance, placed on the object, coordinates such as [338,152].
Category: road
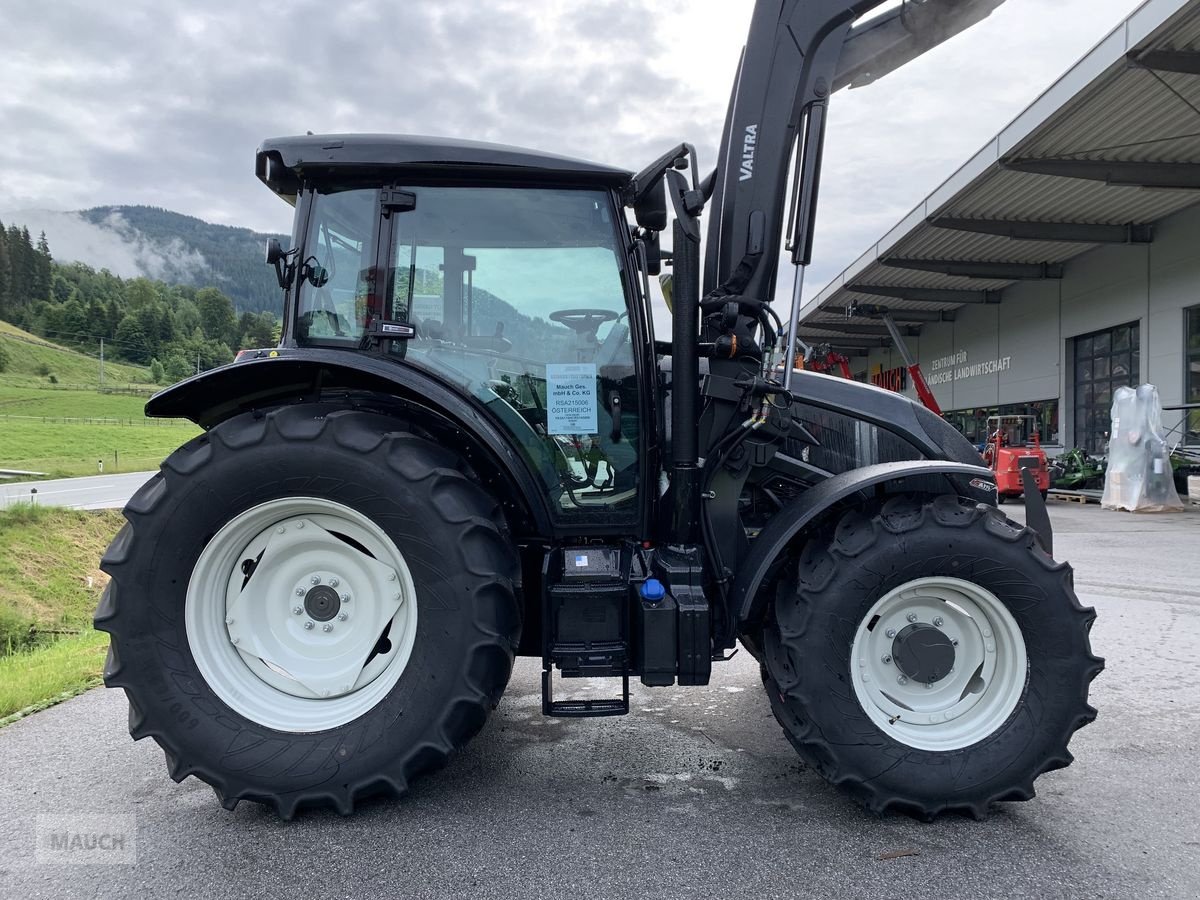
[90,492]
[695,794]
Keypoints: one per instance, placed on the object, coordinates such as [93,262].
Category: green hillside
[49,562]
[68,426]
[32,360]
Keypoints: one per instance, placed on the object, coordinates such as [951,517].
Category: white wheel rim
[978,694]
[296,646]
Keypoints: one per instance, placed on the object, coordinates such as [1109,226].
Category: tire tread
[823,561]
[495,613]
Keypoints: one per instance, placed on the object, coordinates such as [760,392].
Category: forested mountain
[173,329]
[198,253]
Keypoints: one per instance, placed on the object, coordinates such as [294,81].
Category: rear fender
[359,380]
[812,508]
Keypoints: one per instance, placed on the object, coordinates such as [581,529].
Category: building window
[1192,378]
[973,422]
[1103,361]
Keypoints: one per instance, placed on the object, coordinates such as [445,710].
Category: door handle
[614,405]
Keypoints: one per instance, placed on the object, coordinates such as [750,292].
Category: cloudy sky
[161,102]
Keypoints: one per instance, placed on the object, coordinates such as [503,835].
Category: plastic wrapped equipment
[1139,464]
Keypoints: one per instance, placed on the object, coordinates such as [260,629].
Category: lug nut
[296,610]
[299,592]
[391,576]
[280,530]
[937,621]
[229,620]
[891,632]
[308,626]
[901,680]
[912,617]
[299,524]
[327,627]
[887,660]
[954,641]
[234,640]
[342,617]
[334,582]
[316,579]
[345,598]
[928,685]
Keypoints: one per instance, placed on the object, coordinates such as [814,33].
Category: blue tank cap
[653,590]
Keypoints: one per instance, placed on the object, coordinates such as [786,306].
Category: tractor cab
[513,284]
[1013,444]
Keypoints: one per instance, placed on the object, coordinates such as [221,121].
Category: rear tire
[979,734]
[204,564]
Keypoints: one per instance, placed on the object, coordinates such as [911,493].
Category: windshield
[516,294]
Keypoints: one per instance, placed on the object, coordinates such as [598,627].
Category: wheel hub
[923,653]
[939,663]
[294,640]
[322,603]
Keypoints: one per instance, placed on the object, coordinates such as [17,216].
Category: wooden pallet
[1083,497]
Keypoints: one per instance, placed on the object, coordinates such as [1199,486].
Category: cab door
[523,297]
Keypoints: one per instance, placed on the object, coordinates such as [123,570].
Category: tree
[187,317]
[257,330]
[132,340]
[22,265]
[140,292]
[73,322]
[177,368]
[42,269]
[217,318]
[157,374]
[61,287]
[5,274]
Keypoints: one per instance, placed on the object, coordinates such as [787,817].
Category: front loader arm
[797,53]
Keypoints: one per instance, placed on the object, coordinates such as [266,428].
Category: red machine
[823,358]
[1008,451]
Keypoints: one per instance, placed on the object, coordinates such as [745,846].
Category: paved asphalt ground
[91,492]
[696,794]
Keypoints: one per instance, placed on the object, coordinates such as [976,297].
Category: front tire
[310,606]
[930,657]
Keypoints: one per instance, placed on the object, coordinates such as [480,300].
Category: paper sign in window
[571,398]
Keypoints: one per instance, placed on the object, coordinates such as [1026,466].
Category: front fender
[290,375]
[768,549]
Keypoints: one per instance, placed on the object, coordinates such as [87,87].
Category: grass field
[41,402]
[39,427]
[35,679]
[49,569]
[30,355]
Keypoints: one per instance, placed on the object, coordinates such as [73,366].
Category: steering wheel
[583,321]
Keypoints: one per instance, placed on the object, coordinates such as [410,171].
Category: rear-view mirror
[650,211]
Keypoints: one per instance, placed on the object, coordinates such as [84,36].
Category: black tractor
[469,445]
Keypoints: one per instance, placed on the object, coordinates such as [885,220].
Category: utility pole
[101,362]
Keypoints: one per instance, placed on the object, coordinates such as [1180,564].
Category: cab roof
[282,163]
